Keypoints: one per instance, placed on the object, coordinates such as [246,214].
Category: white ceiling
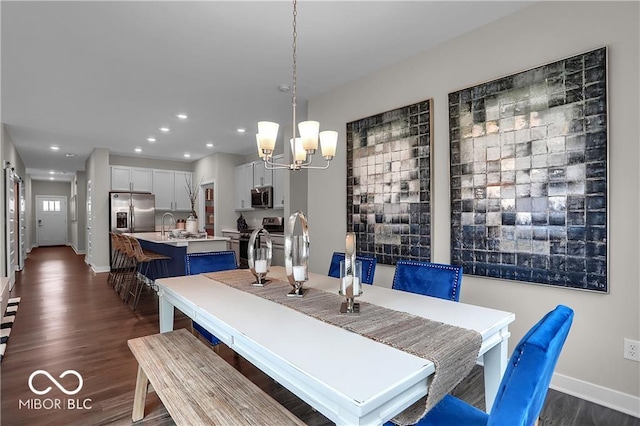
[81,75]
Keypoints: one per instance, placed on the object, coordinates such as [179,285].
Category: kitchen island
[177,248]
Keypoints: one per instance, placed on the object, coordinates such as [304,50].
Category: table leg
[495,363]
[166,314]
[140,395]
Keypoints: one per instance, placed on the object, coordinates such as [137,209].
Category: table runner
[452,349]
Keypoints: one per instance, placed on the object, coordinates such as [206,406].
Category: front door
[51,220]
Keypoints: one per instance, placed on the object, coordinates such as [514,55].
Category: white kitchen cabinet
[261,175]
[131,179]
[181,196]
[243,175]
[233,243]
[278,183]
[170,188]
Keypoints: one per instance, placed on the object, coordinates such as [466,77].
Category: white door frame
[22,225]
[88,258]
[201,204]
[10,225]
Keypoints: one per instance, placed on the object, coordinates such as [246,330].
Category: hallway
[70,319]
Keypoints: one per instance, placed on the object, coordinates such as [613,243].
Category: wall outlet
[632,349]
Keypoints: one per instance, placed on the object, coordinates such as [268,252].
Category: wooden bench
[197,386]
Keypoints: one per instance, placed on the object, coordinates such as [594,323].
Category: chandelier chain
[295,65]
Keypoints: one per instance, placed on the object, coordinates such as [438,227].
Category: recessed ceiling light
[138,150]
[241,130]
[187,155]
[209,145]
[51,172]
[55,148]
[151,139]
[51,178]
[69,154]
[165,129]
[181,116]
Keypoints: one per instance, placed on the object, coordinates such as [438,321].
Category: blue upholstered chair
[524,385]
[429,279]
[368,266]
[213,261]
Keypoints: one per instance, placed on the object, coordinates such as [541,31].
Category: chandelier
[304,146]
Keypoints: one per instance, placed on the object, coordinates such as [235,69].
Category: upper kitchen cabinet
[130,179]
[261,175]
[243,175]
[170,188]
[278,183]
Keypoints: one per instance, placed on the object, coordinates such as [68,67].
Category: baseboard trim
[99,269]
[610,398]
[600,395]
[76,251]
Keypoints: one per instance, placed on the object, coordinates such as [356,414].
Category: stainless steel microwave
[262,197]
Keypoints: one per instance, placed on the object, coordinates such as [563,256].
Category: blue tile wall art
[529,175]
[389,183]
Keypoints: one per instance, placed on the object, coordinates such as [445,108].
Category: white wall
[219,168]
[98,172]
[591,365]
[147,163]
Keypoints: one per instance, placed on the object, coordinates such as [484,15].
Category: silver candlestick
[350,276]
[296,254]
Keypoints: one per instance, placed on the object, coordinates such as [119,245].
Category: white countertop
[156,237]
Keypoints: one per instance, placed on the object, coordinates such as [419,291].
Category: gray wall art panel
[389,183]
[529,175]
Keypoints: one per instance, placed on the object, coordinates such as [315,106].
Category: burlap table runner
[452,349]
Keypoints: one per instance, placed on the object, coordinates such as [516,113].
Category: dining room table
[348,376]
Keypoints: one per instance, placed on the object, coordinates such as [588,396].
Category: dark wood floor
[71,319]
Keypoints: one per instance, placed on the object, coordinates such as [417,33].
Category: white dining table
[349,378]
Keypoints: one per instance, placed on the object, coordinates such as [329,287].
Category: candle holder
[350,276]
[350,286]
[296,254]
[259,259]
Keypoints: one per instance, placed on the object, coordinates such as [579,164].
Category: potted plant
[192,191]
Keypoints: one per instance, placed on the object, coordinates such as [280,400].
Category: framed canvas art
[529,175]
[389,183]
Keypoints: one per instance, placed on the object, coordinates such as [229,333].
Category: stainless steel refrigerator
[132,212]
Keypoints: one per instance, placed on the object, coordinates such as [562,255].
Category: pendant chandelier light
[303,147]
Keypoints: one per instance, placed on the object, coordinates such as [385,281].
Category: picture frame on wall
[389,183]
[529,165]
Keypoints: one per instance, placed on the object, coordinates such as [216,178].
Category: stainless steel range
[275,227]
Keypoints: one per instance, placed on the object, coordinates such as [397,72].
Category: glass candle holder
[259,253]
[350,285]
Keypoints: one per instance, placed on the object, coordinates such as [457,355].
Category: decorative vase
[192,224]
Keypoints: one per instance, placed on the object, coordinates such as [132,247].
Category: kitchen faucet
[172,219]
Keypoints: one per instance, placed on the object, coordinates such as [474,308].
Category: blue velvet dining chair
[368,266]
[524,385]
[212,261]
[429,279]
